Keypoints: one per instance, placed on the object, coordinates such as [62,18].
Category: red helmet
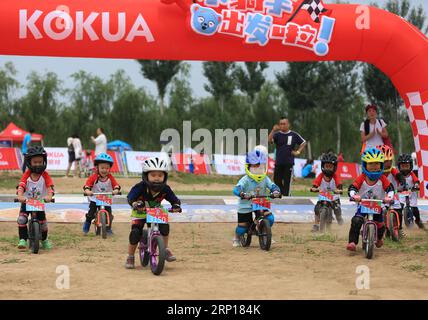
[387,151]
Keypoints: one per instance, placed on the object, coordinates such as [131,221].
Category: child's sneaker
[315,228]
[46,244]
[351,247]
[22,244]
[169,256]
[130,262]
[110,232]
[236,243]
[379,243]
[86,227]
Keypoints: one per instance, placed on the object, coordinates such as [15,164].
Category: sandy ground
[299,266]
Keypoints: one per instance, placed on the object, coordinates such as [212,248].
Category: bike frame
[102,209]
[367,221]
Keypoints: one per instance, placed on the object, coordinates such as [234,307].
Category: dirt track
[299,266]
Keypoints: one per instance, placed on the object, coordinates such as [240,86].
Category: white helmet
[262,149]
[155,164]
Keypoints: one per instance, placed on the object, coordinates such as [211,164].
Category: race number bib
[105,200]
[157,215]
[325,196]
[260,204]
[371,207]
[34,205]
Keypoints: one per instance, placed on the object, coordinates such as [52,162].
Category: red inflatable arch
[237,30]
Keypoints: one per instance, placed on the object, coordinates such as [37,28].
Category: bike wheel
[143,249]
[393,225]
[245,239]
[103,220]
[408,217]
[370,241]
[265,235]
[323,219]
[157,255]
[34,237]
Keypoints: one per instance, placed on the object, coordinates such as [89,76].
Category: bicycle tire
[370,241]
[144,252]
[34,237]
[157,250]
[265,235]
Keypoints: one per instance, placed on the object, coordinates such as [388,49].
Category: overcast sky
[103,68]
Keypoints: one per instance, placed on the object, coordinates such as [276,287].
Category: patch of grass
[13,240]
[9,182]
[63,236]
[310,251]
[414,267]
[293,238]
[86,259]
[327,237]
[205,192]
[10,260]
[186,178]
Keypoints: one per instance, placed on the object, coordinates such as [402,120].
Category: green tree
[40,107]
[221,83]
[162,73]
[251,79]
[8,87]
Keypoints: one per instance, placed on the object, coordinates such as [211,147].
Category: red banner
[191,163]
[9,159]
[348,170]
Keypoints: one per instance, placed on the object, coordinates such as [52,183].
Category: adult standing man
[100,142]
[25,145]
[289,144]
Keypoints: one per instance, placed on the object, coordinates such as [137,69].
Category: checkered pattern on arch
[417,109]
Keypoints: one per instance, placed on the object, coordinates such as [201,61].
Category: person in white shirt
[373,130]
[100,142]
[74,155]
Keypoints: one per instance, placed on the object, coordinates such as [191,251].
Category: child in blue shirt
[255,182]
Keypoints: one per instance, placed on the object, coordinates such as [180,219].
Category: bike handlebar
[370,200]
[318,190]
[103,193]
[17,200]
[265,196]
[141,205]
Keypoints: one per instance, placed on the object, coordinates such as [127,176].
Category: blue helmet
[253,158]
[103,158]
[373,155]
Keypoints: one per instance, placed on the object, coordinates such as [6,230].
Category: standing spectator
[25,145]
[286,142]
[373,130]
[74,154]
[100,142]
[71,154]
[78,154]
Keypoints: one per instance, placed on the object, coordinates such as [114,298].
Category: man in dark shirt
[286,142]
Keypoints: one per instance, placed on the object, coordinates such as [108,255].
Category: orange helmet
[387,151]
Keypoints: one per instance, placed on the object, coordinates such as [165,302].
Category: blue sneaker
[86,227]
[110,232]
